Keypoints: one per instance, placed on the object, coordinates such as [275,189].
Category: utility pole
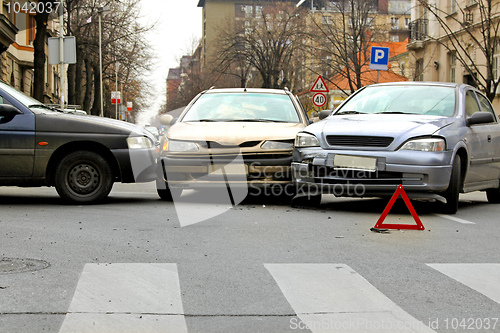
[61,55]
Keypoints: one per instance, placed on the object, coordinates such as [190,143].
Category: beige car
[241,137]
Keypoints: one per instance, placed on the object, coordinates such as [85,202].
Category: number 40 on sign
[319,99]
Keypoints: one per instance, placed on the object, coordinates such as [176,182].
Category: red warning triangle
[380,224]
[319,85]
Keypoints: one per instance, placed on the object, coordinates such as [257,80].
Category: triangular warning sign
[380,224]
[319,85]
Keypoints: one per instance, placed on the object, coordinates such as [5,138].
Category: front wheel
[452,192]
[83,177]
[165,192]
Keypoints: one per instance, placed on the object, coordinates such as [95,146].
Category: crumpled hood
[399,126]
[233,132]
[62,122]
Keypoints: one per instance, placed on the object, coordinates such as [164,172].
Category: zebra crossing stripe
[334,298]
[126,298]
[483,278]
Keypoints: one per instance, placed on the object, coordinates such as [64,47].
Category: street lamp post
[101,10]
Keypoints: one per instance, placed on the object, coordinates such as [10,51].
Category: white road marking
[334,298]
[453,218]
[483,278]
[126,298]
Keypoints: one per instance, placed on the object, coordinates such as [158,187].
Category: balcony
[418,33]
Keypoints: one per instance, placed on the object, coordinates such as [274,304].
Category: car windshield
[423,100]
[244,106]
[22,98]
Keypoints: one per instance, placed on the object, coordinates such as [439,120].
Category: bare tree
[462,38]
[266,39]
[345,34]
[123,42]
[41,19]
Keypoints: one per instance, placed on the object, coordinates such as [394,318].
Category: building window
[31,29]
[453,6]
[326,20]
[402,68]
[453,67]
[56,85]
[419,70]
[407,22]
[394,22]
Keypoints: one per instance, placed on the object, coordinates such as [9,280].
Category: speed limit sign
[319,99]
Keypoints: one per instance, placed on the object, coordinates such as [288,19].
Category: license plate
[355,162]
[229,169]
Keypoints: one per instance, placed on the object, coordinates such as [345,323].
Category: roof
[174,74]
[247,90]
[368,76]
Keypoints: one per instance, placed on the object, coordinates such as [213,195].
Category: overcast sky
[179,23]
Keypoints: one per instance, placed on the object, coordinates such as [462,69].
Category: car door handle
[489,138]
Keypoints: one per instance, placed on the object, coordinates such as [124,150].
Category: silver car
[436,139]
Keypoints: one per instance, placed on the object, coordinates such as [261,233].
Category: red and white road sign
[129,106]
[319,99]
[115,97]
[319,86]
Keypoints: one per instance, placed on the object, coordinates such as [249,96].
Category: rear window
[243,107]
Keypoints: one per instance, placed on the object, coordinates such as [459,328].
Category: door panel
[17,146]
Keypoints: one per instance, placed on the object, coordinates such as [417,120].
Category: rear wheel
[452,193]
[83,177]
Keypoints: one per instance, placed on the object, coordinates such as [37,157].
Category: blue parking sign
[379,58]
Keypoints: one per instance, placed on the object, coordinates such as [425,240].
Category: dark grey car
[80,155]
[436,139]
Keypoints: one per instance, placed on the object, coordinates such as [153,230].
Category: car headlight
[277,145]
[180,146]
[306,140]
[139,142]
[430,144]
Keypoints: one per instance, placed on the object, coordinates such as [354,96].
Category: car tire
[453,191]
[493,195]
[166,193]
[83,177]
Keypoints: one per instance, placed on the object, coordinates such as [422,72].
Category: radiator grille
[359,141]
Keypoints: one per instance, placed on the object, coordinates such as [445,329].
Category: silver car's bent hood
[400,127]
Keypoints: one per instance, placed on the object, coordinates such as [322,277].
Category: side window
[471,105]
[486,105]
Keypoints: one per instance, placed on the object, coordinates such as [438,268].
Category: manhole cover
[16,265]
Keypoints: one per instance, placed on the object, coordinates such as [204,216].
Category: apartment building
[434,55]
[389,18]
[17,33]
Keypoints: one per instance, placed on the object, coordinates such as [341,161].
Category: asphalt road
[132,265]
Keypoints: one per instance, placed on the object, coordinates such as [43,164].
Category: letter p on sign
[379,59]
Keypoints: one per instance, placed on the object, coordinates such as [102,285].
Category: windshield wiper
[394,112]
[258,120]
[43,106]
[348,112]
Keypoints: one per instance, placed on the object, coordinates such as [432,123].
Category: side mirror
[324,113]
[166,119]
[480,118]
[8,110]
